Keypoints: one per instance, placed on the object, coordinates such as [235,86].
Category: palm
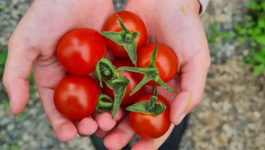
[167,24]
[169,28]
[34,42]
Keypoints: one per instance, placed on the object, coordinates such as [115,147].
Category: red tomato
[149,126]
[79,50]
[76,96]
[166,61]
[127,100]
[133,23]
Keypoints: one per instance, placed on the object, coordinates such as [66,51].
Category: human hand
[33,44]
[175,23]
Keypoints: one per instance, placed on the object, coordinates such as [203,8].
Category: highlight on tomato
[79,50]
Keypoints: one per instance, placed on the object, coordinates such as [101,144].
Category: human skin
[175,23]
[33,45]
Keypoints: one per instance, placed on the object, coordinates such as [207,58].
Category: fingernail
[181,117]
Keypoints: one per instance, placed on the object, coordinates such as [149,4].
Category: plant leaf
[241,39]
[3,56]
[131,50]
[119,86]
[259,69]
[252,5]
[263,5]
[262,52]
[259,58]
[261,23]
[227,36]
[116,37]
[260,40]
[143,107]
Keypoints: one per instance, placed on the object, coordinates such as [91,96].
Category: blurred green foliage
[3,56]
[213,36]
[23,115]
[253,32]
[2,8]
[8,146]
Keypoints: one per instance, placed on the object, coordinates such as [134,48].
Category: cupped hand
[33,44]
[175,23]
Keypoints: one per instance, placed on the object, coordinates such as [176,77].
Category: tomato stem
[104,69]
[103,106]
[128,38]
[150,73]
[150,107]
[119,86]
[124,38]
[114,80]
[153,99]
[107,73]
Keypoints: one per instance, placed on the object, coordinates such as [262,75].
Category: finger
[120,136]
[193,75]
[86,126]
[47,73]
[105,121]
[64,129]
[192,84]
[17,70]
[194,61]
[101,133]
[144,144]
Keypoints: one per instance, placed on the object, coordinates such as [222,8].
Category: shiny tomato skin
[76,96]
[127,100]
[133,23]
[148,126]
[79,50]
[166,61]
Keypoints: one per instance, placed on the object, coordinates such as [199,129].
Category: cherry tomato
[76,96]
[148,126]
[79,50]
[166,61]
[133,23]
[127,100]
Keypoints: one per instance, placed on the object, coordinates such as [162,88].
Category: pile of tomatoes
[82,52]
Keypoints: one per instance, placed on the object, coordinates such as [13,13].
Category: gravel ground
[230,114]
[228,118]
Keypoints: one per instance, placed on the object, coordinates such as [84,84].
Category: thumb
[192,83]
[195,62]
[17,70]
